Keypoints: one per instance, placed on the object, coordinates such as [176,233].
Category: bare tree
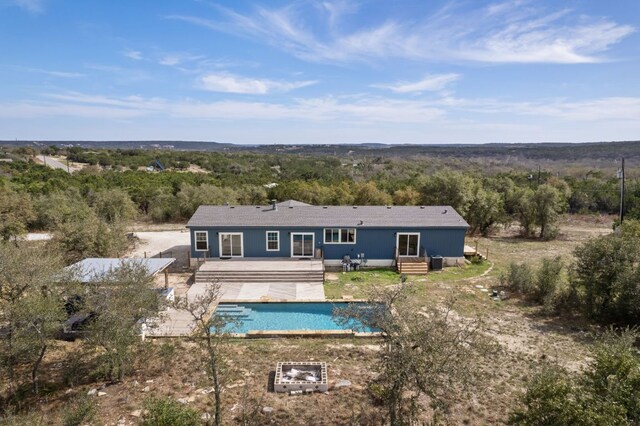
[31,309]
[211,333]
[426,351]
[119,300]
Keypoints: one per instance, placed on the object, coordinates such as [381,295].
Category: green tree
[60,207]
[606,274]
[113,205]
[16,211]
[121,300]
[406,197]
[423,352]
[485,210]
[608,393]
[449,189]
[368,194]
[191,197]
[211,333]
[89,237]
[521,201]
[547,203]
[31,311]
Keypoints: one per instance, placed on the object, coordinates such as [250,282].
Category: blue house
[383,235]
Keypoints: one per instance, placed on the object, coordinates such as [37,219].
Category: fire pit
[301,376]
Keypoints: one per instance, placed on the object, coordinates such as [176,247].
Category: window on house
[273,240]
[202,240]
[340,236]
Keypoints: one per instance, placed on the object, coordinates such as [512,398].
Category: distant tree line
[485,199]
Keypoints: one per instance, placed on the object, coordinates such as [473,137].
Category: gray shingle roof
[302,216]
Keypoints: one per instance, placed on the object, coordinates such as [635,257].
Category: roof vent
[388,207]
[232,207]
[355,207]
[324,207]
[445,211]
[422,207]
[274,204]
[361,222]
[290,207]
[257,207]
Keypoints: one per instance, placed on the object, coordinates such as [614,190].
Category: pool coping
[263,334]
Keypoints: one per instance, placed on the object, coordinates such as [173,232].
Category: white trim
[398,244]
[355,236]
[313,243]
[267,240]
[232,234]
[195,240]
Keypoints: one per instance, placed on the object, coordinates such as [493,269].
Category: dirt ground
[526,338]
[162,243]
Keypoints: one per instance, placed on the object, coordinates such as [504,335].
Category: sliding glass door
[408,244]
[302,244]
[231,244]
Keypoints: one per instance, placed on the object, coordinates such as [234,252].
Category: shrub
[519,278]
[548,279]
[80,412]
[608,393]
[167,412]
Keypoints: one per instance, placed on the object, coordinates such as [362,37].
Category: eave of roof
[328,216]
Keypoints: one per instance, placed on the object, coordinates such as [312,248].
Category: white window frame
[313,243]
[232,234]
[398,244]
[277,240]
[324,236]
[195,240]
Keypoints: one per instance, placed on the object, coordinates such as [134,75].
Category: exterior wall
[375,243]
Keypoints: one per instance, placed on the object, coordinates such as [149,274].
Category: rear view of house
[383,235]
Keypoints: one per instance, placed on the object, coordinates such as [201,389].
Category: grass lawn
[357,283]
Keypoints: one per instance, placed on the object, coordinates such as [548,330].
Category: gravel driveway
[163,244]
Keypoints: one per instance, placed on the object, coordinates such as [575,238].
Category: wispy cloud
[430,83]
[498,33]
[133,54]
[356,110]
[53,73]
[121,74]
[33,6]
[175,59]
[230,83]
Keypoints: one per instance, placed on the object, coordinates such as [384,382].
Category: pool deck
[260,292]
[174,323]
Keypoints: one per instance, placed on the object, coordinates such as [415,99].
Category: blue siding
[375,243]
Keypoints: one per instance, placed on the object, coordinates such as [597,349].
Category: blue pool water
[285,316]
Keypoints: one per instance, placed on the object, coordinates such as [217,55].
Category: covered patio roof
[89,269]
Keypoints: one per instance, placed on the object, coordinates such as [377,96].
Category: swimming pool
[286,316]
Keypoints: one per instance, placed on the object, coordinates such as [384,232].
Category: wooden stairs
[412,265]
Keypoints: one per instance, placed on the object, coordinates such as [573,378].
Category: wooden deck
[263,264]
[265,278]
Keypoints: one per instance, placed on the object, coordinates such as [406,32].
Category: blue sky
[334,71]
